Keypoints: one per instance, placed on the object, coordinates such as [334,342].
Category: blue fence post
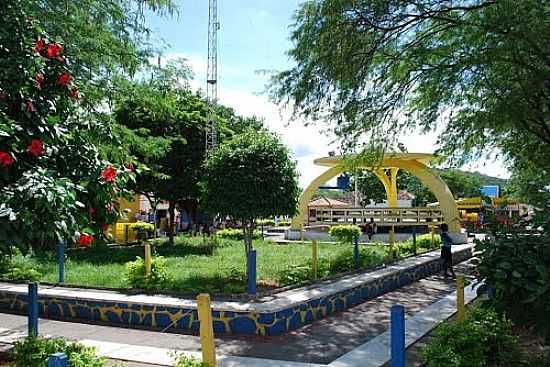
[61,261]
[397,336]
[58,360]
[33,309]
[251,272]
[356,252]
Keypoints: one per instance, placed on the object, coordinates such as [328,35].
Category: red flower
[109,174]
[36,147]
[30,106]
[39,80]
[130,166]
[85,239]
[105,227]
[6,159]
[64,79]
[54,50]
[91,211]
[74,93]
[39,46]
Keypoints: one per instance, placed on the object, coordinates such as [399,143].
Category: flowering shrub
[51,170]
[345,233]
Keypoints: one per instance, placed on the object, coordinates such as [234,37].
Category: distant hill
[485,179]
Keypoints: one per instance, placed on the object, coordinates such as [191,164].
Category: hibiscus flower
[64,79]
[54,50]
[6,159]
[36,147]
[109,174]
[39,46]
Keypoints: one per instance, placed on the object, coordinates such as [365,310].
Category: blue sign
[492,191]
[342,182]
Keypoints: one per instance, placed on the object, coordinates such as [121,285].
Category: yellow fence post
[392,240]
[147,259]
[206,330]
[460,312]
[314,258]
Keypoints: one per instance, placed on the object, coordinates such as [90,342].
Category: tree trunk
[171,227]
[190,206]
[153,202]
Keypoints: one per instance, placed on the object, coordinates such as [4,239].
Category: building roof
[323,201]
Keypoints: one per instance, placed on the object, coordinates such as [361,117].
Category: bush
[345,233]
[34,352]
[518,266]
[265,222]
[143,230]
[236,234]
[368,257]
[425,241]
[483,339]
[284,223]
[18,270]
[135,273]
[180,360]
[296,274]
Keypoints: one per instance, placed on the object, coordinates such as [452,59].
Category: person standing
[446,253]
[371,228]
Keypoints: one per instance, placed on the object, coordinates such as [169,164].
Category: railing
[381,216]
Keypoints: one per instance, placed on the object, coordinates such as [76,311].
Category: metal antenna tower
[212,76]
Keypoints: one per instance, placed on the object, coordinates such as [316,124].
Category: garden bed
[195,266]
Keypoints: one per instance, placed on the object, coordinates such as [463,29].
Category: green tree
[53,180]
[379,68]
[162,122]
[250,176]
[103,39]
[163,126]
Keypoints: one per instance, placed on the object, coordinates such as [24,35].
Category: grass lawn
[194,266]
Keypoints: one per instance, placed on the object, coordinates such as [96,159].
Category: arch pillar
[390,184]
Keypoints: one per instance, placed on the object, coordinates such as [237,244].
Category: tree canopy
[375,68]
[250,176]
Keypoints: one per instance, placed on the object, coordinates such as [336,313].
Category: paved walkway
[321,342]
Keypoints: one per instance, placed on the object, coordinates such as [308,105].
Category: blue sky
[254,36]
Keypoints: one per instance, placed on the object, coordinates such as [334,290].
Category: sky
[254,36]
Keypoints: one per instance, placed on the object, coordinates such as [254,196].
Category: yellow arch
[414,163]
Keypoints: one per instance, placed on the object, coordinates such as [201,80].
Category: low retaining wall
[288,311]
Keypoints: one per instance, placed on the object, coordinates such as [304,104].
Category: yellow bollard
[392,240]
[147,259]
[460,312]
[206,330]
[314,259]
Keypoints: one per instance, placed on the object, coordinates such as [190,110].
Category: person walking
[446,253]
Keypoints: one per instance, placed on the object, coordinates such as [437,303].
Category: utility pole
[212,76]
